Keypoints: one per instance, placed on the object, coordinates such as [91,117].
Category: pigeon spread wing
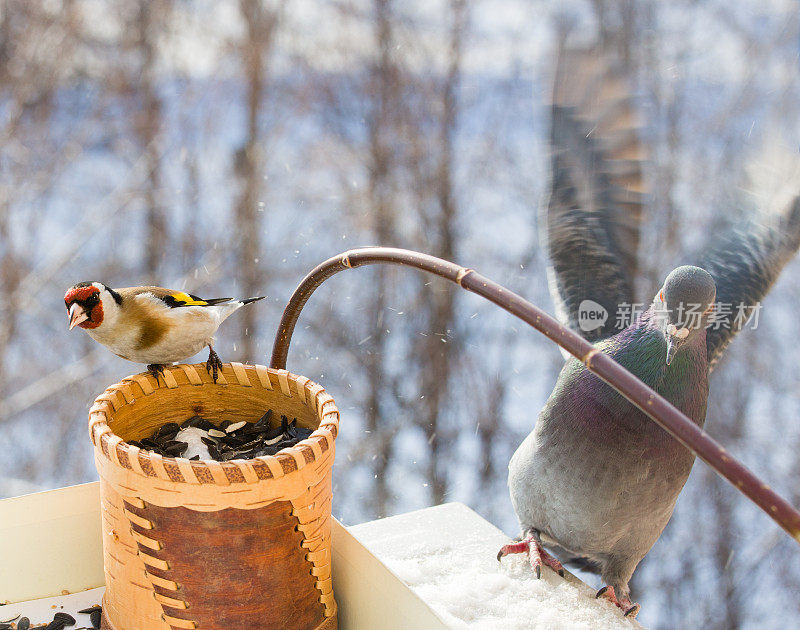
[744,266]
[591,224]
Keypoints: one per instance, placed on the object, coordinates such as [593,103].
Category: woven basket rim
[288,460]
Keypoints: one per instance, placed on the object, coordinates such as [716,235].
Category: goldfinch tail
[252,299]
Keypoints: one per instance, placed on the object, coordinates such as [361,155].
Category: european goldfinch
[150,325]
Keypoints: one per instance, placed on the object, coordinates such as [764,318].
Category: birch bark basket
[207,544]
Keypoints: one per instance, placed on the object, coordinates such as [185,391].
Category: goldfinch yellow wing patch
[180,298]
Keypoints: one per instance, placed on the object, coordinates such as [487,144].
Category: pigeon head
[684,306]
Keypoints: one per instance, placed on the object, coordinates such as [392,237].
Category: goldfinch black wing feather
[179,298]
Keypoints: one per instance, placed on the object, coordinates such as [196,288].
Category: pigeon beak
[672,347]
[76,315]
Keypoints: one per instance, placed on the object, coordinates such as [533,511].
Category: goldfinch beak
[76,315]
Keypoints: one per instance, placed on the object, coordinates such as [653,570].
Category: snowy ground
[447,554]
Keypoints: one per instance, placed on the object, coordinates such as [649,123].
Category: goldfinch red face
[84,305]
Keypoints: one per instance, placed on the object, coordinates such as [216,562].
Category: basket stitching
[315,446]
[330,604]
[241,374]
[191,375]
[108,397]
[170,602]
[113,441]
[187,470]
[188,624]
[154,562]
[217,472]
[95,424]
[157,461]
[133,460]
[249,472]
[263,376]
[300,383]
[137,520]
[127,394]
[274,466]
[297,455]
[150,543]
[169,379]
[142,380]
[283,381]
[169,585]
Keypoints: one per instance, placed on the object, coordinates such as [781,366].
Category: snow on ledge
[447,555]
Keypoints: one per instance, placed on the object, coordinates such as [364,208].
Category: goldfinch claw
[213,364]
[156,369]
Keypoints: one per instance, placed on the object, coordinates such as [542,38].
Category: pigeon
[596,480]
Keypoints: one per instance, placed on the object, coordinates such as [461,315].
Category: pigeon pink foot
[536,555]
[629,609]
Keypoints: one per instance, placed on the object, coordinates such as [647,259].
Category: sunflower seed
[235,426]
[23,624]
[263,421]
[91,609]
[169,428]
[235,441]
[94,616]
[191,422]
[68,619]
[273,433]
[216,433]
[175,447]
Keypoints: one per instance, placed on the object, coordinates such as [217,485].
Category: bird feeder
[207,544]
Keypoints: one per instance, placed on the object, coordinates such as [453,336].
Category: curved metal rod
[662,412]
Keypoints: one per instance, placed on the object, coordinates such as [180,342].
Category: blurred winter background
[227,147]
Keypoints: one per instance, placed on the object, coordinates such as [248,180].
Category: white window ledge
[433,569]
